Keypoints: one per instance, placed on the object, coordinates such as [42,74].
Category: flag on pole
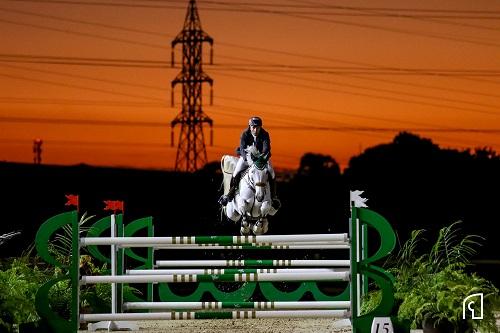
[114,205]
[72,200]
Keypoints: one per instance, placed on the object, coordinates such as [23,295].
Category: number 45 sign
[382,325]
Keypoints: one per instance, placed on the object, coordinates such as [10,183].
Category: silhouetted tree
[416,184]
[318,165]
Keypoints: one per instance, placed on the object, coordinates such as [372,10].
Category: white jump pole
[231,271]
[240,314]
[253,263]
[221,240]
[112,324]
[326,305]
[296,246]
[183,278]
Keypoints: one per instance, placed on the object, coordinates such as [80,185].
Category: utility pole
[191,151]
[37,151]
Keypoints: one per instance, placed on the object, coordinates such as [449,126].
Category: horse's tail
[222,162]
[221,187]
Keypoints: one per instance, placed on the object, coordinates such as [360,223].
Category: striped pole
[216,315]
[253,263]
[326,305]
[232,271]
[180,278]
[296,246]
[221,240]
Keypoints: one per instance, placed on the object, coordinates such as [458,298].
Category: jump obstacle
[248,273]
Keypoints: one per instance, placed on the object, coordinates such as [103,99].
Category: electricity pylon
[191,151]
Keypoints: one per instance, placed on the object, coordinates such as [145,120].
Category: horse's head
[258,175]
[252,153]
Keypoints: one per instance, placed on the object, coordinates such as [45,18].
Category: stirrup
[224,200]
[276,203]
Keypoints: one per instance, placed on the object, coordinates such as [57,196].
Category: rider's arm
[266,144]
[243,145]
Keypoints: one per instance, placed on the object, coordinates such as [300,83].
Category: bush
[18,286]
[430,287]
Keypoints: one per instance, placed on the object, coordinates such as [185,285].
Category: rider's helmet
[255,121]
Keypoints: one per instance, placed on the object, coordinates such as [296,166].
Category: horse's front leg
[232,211]
[243,205]
[265,208]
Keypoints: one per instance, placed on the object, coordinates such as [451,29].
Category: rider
[259,137]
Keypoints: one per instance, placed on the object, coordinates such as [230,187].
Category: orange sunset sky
[91,78]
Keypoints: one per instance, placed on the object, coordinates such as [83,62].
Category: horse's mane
[255,157]
[251,150]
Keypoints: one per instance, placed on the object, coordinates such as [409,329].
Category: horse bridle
[250,182]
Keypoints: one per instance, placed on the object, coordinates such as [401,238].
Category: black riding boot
[232,190]
[274,196]
[272,186]
[235,181]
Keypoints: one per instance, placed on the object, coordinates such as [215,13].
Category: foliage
[431,287]
[18,286]
[20,280]
[60,246]
[93,298]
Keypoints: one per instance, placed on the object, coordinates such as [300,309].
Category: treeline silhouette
[411,181]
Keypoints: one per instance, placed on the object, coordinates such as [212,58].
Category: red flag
[113,205]
[72,200]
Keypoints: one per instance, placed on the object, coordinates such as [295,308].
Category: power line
[17,77]
[62,101]
[161,89]
[256,8]
[122,123]
[95,144]
[285,13]
[330,83]
[159,34]
[264,68]
[397,99]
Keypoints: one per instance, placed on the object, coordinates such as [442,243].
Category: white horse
[252,203]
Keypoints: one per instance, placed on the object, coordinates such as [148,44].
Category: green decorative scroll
[247,290]
[244,293]
[97,229]
[102,226]
[365,267]
[147,263]
[42,306]
[271,293]
[384,229]
[49,228]
[42,240]
[130,230]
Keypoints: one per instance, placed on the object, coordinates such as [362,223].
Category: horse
[252,203]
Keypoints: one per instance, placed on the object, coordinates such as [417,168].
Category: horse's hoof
[257,229]
[244,231]
[276,203]
[265,226]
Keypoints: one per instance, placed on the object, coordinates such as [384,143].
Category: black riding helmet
[255,121]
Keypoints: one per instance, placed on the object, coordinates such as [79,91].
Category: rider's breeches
[270,169]
[242,165]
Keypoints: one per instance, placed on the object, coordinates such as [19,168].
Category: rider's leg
[272,180]
[235,180]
